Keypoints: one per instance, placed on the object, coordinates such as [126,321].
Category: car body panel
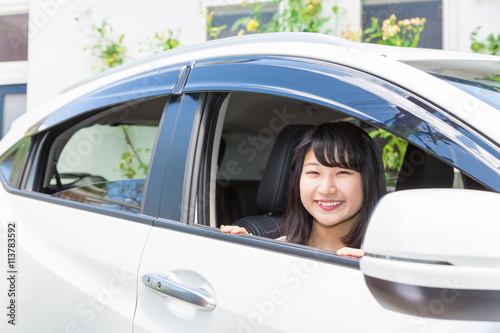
[266,291]
[81,267]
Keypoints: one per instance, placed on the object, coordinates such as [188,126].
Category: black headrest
[272,190]
[422,170]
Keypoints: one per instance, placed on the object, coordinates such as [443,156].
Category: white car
[112,195]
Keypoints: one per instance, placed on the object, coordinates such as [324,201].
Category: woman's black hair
[339,144]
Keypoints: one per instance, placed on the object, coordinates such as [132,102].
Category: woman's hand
[233,229]
[351,252]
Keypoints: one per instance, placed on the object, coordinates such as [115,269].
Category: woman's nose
[327,186]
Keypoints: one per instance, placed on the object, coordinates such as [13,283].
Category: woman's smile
[332,195]
[328,205]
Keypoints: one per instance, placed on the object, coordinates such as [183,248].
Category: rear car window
[104,159]
[12,161]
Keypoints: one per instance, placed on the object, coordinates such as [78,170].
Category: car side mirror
[435,253]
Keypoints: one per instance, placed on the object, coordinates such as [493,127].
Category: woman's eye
[312,173]
[343,172]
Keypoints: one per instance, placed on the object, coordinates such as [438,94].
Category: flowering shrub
[297,16]
[213,31]
[160,42]
[108,49]
[401,33]
[491,45]
[350,35]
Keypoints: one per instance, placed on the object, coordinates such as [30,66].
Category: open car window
[244,130]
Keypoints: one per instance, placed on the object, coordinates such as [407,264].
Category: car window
[12,161]
[103,159]
[123,195]
[246,129]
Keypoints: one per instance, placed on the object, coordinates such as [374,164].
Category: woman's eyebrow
[311,163]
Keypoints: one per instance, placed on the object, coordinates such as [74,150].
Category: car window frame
[206,80]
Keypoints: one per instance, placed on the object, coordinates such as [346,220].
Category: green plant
[297,16]
[404,33]
[214,32]
[491,45]
[131,158]
[109,50]
[161,41]
[392,153]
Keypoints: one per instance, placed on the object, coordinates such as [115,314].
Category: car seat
[271,196]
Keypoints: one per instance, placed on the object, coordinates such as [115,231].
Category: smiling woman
[337,177]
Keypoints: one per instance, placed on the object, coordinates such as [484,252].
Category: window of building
[228,15]
[14,37]
[12,105]
[431,36]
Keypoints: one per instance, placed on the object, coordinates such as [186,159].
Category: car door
[194,278]
[79,210]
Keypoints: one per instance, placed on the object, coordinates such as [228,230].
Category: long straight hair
[339,144]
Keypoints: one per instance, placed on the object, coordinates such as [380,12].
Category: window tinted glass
[104,159]
[124,195]
[14,37]
[12,161]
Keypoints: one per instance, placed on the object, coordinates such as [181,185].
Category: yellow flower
[392,17]
[252,25]
[393,30]
[241,32]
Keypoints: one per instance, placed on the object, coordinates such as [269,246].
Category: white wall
[462,17]
[349,15]
[56,49]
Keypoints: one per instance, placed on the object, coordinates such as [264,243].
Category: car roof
[382,61]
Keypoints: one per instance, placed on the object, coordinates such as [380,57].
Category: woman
[337,177]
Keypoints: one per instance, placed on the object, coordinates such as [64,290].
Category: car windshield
[476,77]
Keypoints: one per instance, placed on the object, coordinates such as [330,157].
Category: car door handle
[164,284]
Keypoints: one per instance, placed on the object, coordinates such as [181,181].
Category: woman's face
[331,195]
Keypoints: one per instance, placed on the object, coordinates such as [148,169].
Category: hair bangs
[334,150]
